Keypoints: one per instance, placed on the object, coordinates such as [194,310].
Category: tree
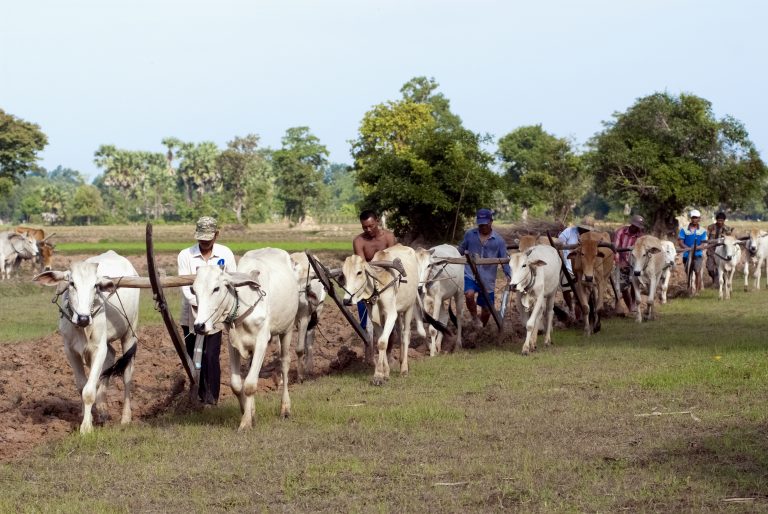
[298,172]
[415,162]
[246,177]
[198,169]
[86,204]
[20,142]
[669,152]
[540,167]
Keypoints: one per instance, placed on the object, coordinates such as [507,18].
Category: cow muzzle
[348,301]
[83,320]
[588,278]
[200,328]
[637,273]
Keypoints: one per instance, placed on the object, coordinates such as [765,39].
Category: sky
[131,73]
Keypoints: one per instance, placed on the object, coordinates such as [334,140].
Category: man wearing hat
[207,252]
[715,231]
[625,237]
[688,236]
[482,242]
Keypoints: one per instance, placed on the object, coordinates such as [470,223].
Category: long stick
[567,274]
[483,292]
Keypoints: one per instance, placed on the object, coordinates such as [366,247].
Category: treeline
[415,161]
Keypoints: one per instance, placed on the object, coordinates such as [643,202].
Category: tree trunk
[524,215]
[664,224]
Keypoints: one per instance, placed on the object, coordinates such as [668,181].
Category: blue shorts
[362,313]
[471,285]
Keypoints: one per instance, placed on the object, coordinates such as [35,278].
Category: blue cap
[484,216]
[221,263]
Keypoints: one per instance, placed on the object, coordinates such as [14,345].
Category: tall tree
[198,168]
[20,142]
[667,152]
[86,204]
[540,167]
[245,175]
[298,167]
[415,162]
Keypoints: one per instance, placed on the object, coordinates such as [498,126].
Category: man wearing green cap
[205,253]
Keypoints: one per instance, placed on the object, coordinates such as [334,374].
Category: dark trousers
[210,368]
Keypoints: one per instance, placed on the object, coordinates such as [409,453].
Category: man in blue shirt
[694,233]
[482,242]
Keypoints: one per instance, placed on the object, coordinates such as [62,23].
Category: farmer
[625,237]
[205,253]
[688,236]
[482,242]
[373,239]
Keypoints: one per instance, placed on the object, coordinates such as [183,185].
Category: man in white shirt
[205,253]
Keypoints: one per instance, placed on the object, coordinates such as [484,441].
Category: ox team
[391,283]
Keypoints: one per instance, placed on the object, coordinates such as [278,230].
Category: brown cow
[45,255]
[592,266]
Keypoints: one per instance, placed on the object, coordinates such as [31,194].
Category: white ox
[257,304]
[90,321]
[536,278]
[393,296]
[728,255]
[14,247]
[311,300]
[670,253]
[757,251]
[440,281]
[647,261]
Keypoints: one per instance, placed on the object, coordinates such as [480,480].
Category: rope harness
[67,312]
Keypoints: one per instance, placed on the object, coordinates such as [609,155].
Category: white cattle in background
[393,294]
[311,300]
[438,282]
[757,252]
[13,248]
[95,313]
[670,253]
[727,255]
[536,279]
[647,261]
[256,305]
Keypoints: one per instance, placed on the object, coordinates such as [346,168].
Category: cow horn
[395,264]
[46,238]
[607,245]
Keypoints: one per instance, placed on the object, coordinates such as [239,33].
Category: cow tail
[118,368]
[452,316]
[312,321]
[435,323]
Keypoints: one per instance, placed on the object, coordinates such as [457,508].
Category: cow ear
[571,255]
[537,263]
[52,278]
[654,249]
[106,285]
[601,254]
[244,279]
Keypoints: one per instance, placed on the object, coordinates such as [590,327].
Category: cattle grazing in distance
[95,313]
[44,246]
[670,253]
[438,282]
[392,294]
[13,248]
[311,300]
[648,261]
[757,252]
[728,255]
[536,279]
[256,305]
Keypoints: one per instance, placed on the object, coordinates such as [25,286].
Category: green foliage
[416,163]
[668,152]
[298,170]
[20,142]
[87,205]
[246,177]
[540,167]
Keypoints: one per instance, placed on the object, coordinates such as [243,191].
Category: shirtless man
[373,239]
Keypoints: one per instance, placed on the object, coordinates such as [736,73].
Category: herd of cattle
[273,293]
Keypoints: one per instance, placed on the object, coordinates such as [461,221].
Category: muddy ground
[39,401]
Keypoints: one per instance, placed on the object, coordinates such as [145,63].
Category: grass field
[667,416]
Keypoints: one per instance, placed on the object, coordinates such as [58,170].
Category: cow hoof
[525,353]
[244,427]
[285,413]
[378,381]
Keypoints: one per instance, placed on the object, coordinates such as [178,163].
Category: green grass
[568,429]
